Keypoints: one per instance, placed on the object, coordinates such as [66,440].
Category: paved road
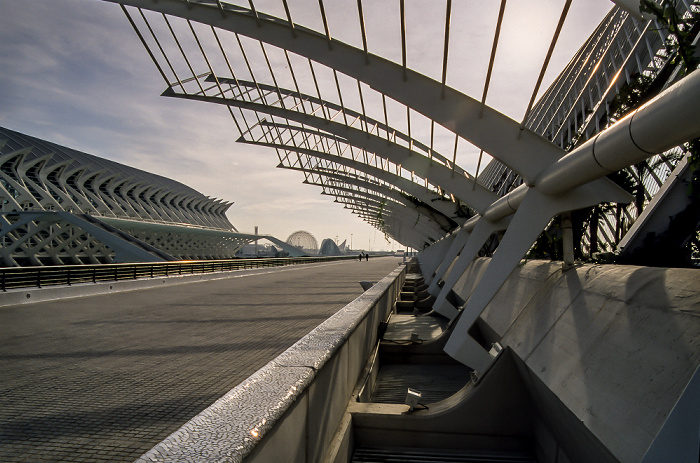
[105,378]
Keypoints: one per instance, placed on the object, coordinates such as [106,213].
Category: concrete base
[600,364]
[617,345]
[495,414]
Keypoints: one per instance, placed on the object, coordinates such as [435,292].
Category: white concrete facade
[39,177]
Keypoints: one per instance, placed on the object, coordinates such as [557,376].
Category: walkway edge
[21,296]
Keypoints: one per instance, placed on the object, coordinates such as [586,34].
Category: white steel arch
[495,133]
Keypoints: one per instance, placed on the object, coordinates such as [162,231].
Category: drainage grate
[436,456]
[435,382]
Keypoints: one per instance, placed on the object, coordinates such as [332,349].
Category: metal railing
[37,277]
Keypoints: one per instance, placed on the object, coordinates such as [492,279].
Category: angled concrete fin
[533,215]
[477,238]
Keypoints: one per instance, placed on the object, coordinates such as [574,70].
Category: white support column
[483,229]
[455,248]
[430,258]
[532,217]
[567,238]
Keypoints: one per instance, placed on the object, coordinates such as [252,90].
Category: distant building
[303,240]
[329,248]
[62,206]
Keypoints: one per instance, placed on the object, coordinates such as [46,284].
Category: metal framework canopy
[377,90]
[371,102]
[373,84]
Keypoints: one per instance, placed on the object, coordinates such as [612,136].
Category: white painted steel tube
[506,205]
[670,119]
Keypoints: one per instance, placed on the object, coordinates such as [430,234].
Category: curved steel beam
[382,207]
[447,208]
[394,202]
[444,222]
[399,229]
[500,136]
[478,197]
[354,115]
[412,188]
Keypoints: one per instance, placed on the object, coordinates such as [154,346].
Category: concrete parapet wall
[617,346]
[290,409]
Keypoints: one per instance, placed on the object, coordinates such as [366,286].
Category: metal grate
[429,455]
[435,382]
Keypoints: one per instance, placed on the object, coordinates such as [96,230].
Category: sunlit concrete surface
[105,378]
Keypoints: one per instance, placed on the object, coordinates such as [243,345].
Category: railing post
[94,274]
[68,277]
[4,289]
[38,278]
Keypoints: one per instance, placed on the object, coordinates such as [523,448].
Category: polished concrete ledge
[19,296]
[290,409]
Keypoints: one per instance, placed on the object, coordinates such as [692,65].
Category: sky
[74,72]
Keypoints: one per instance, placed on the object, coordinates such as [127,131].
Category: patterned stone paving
[105,378]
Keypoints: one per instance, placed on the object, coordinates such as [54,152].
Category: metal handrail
[26,277]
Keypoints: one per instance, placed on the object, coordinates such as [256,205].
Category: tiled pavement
[105,378]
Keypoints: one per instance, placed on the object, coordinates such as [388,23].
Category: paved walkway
[105,378]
